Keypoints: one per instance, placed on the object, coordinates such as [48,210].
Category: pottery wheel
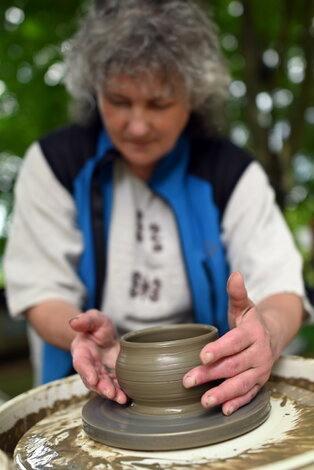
[122,426]
[284,440]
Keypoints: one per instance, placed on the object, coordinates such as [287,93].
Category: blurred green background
[270,50]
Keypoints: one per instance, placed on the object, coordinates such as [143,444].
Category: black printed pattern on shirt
[155,237]
[154,234]
[139,226]
[141,286]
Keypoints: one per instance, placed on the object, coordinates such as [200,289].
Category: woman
[139,216]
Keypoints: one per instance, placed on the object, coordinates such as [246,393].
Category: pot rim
[129,338]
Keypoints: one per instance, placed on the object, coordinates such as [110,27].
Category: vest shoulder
[221,163]
[68,148]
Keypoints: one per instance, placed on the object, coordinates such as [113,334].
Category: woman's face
[143,118]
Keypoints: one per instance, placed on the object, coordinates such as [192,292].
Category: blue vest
[197,217]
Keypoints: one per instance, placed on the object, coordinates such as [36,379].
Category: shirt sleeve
[44,243]
[258,241]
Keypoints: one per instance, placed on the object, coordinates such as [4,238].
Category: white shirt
[45,245]
[146,283]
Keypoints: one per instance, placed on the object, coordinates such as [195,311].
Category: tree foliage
[270,50]
[276,65]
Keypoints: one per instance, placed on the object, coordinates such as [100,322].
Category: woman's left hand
[243,356]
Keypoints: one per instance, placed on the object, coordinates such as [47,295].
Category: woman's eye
[119,102]
[161,105]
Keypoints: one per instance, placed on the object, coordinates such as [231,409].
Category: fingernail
[208,358]
[228,411]
[189,381]
[210,402]
[121,400]
[74,318]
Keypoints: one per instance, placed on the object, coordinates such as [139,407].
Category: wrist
[277,340]
[282,317]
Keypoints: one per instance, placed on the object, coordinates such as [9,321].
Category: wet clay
[9,438]
[163,415]
[300,383]
[152,363]
[108,422]
[59,442]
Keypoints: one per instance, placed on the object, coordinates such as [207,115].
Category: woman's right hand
[95,349]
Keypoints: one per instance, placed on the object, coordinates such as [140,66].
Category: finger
[233,342]
[108,388]
[121,397]
[230,389]
[239,301]
[88,321]
[86,370]
[232,405]
[222,369]
[96,325]
[87,384]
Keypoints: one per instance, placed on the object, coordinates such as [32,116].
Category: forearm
[282,315]
[51,321]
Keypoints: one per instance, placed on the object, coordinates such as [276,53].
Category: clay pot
[152,363]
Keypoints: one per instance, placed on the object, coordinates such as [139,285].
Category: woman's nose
[138,123]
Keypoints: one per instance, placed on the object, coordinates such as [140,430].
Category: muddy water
[9,438]
[58,441]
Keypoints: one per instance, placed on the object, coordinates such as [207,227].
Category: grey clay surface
[162,414]
[121,426]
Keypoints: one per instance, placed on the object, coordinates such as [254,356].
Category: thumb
[87,322]
[239,302]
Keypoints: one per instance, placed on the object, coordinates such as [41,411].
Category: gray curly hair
[175,38]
